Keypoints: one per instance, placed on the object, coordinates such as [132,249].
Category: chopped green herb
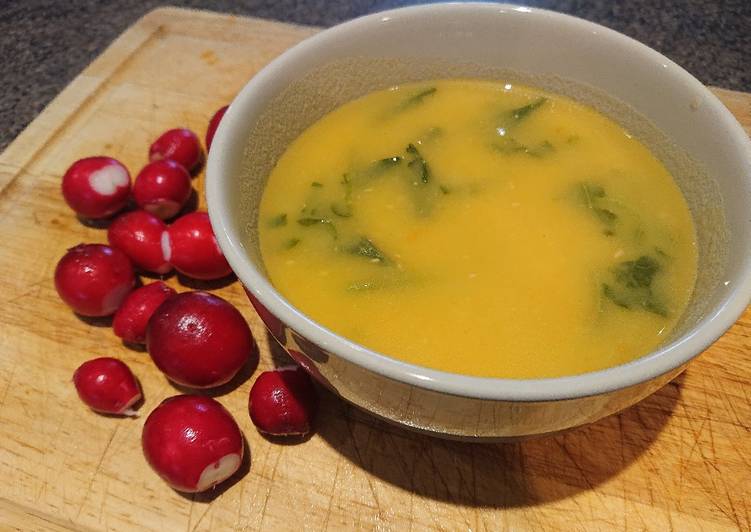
[593,196]
[316,184]
[523,112]
[373,170]
[637,273]
[388,162]
[278,221]
[416,99]
[608,292]
[445,189]
[366,248]
[655,307]
[632,288]
[541,149]
[590,192]
[325,222]
[292,242]
[509,146]
[347,184]
[343,211]
[606,216]
[418,163]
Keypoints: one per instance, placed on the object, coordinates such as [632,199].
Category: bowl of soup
[484,221]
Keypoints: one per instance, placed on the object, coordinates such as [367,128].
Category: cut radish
[180,145]
[198,339]
[139,234]
[133,315]
[192,442]
[93,279]
[162,188]
[193,249]
[107,385]
[96,187]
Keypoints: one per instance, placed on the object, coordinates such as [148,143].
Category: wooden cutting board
[678,460]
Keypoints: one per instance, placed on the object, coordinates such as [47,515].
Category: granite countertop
[46,43]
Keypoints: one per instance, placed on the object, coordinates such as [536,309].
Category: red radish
[139,235]
[133,315]
[283,402]
[93,279]
[162,188]
[107,385]
[192,442]
[213,124]
[180,145]
[191,247]
[198,339]
[96,187]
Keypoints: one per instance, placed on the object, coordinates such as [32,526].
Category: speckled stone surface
[44,44]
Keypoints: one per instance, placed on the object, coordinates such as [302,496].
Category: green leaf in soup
[373,170]
[655,307]
[279,220]
[541,150]
[609,293]
[290,243]
[590,192]
[606,216]
[347,184]
[324,222]
[316,184]
[594,198]
[637,273]
[416,99]
[364,247]
[525,111]
[419,164]
[510,146]
[387,163]
[632,287]
[341,210]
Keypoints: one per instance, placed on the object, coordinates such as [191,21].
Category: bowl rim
[665,359]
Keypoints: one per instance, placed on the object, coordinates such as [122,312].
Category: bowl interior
[687,127]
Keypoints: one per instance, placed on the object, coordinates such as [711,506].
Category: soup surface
[480,228]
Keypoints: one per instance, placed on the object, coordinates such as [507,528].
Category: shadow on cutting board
[515,474]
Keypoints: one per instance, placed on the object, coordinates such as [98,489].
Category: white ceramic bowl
[452,40]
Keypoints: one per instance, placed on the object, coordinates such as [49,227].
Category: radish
[192,442]
[96,187]
[93,279]
[180,145]
[162,188]
[191,247]
[107,385]
[199,340]
[133,315]
[139,235]
[213,124]
[283,402]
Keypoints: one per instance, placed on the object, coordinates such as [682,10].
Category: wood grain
[677,460]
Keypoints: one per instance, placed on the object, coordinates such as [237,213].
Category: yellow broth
[480,228]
